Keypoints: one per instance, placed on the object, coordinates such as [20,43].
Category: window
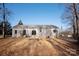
[24,32]
[33,32]
[40,29]
[0,32]
[55,31]
[15,31]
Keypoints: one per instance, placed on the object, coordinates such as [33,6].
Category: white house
[34,30]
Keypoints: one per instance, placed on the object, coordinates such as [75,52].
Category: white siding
[43,33]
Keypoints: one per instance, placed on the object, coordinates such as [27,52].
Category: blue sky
[32,14]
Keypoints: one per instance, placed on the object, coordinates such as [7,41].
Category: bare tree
[71,16]
[4,15]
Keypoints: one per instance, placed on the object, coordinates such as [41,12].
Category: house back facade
[20,30]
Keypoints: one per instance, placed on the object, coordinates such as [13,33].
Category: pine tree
[8,28]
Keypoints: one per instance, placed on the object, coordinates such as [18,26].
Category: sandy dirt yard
[36,47]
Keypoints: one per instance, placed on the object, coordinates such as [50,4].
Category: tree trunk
[3,20]
[3,30]
[74,32]
[76,18]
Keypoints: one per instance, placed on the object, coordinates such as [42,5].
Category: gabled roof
[34,26]
[20,25]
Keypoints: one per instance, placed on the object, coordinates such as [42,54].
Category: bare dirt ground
[36,47]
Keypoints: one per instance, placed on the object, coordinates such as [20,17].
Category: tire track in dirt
[30,47]
[4,48]
[67,43]
[37,48]
[5,42]
[68,47]
[43,48]
[54,50]
[34,47]
[21,49]
[60,47]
